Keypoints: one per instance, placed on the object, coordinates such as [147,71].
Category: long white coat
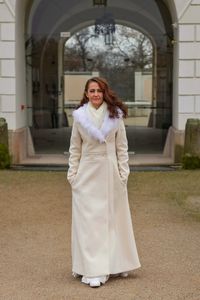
[102,236]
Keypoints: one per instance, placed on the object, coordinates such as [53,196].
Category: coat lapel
[80,115]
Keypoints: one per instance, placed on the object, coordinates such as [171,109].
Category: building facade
[22,74]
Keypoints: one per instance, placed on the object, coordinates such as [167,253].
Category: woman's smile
[95,94]
[98,173]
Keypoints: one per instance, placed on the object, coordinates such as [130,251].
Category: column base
[20,144]
[174,144]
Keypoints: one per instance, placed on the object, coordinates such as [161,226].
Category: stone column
[192,137]
[7,64]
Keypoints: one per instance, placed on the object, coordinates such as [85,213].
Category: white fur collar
[80,115]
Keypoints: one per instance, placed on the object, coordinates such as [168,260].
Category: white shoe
[95,281]
[75,275]
[124,274]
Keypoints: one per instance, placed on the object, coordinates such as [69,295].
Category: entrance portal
[61,55]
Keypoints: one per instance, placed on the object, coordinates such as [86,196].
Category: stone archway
[22,12]
[163,98]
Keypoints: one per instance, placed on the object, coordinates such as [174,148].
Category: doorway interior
[137,62]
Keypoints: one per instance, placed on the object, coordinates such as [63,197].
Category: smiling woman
[94,94]
[103,242]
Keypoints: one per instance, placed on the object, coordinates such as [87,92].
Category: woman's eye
[98,91]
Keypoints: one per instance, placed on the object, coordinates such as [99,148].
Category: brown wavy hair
[113,102]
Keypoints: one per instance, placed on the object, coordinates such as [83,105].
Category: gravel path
[35,218]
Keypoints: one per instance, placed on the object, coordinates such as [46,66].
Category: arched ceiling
[46,17]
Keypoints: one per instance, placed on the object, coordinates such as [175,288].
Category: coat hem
[74,270]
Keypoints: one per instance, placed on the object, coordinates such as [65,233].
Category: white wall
[143,87]
[181,6]
[188,101]
[74,85]
[21,114]
[12,64]
[175,81]
[7,64]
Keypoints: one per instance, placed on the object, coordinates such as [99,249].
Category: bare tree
[130,46]
[131,51]
[135,48]
[79,51]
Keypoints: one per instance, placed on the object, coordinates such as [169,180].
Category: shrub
[5,159]
[190,162]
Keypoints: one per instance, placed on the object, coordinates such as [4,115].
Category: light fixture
[108,39]
[105,25]
[99,2]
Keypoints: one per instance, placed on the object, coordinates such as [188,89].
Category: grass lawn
[182,186]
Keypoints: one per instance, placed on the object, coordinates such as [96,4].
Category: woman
[103,242]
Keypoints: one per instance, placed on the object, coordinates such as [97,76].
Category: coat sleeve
[122,152]
[74,153]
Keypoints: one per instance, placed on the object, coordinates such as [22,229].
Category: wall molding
[9,6]
[184,9]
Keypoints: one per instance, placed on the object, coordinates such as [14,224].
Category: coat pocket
[76,177]
[71,179]
[122,181]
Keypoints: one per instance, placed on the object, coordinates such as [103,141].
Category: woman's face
[95,94]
